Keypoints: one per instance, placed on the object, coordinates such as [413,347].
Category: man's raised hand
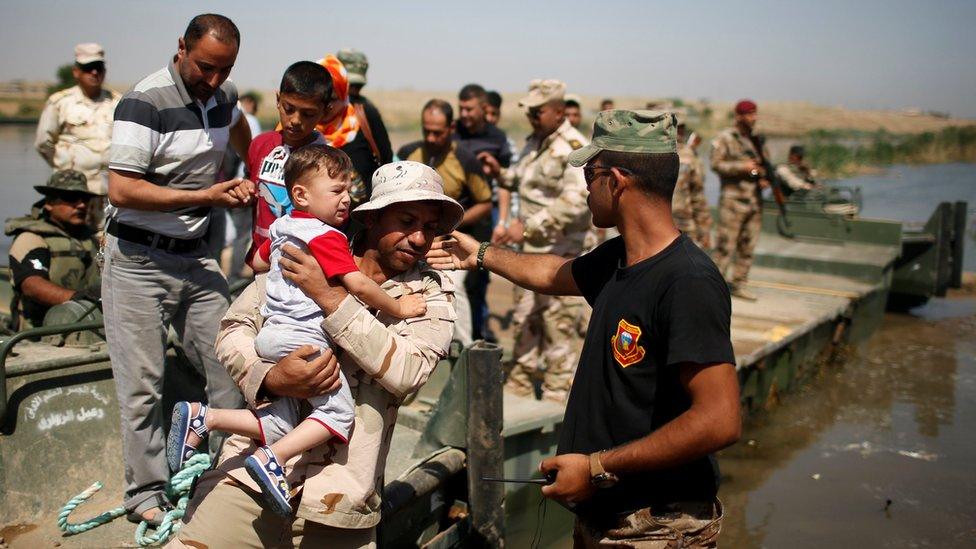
[489,164]
[455,251]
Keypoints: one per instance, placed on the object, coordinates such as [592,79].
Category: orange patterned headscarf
[343,128]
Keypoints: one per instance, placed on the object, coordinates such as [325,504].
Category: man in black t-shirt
[485,139]
[656,392]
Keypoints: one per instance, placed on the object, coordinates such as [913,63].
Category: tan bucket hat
[407,181]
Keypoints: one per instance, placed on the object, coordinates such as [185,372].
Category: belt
[151,239]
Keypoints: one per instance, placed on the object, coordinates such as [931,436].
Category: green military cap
[629,131]
[356,64]
[65,181]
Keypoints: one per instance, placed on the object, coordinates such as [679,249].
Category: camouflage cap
[65,181]
[629,131]
[89,53]
[356,64]
[542,92]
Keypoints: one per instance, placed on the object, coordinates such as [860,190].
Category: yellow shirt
[461,173]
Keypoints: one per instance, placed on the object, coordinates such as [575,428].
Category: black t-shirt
[647,319]
[489,139]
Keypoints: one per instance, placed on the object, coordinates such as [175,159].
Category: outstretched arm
[543,273]
[370,293]
[130,190]
[711,423]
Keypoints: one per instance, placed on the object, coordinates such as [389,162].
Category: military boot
[740,291]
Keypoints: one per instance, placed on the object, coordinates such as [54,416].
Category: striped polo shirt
[173,140]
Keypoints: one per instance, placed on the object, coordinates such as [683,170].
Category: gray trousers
[242,220]
[144,291]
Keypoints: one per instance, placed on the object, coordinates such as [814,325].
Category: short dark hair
[494,99]
[473,91]
[797,150]
[308,79]
[571,103]
[656,173]
[316,158]
[439,105]
[222,28]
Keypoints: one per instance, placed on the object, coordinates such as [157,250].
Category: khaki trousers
[548,339]
[739,225]
[224,514]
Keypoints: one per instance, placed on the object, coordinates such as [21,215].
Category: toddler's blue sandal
[271,478]
[178,450]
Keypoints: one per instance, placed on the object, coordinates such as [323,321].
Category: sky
[861,54]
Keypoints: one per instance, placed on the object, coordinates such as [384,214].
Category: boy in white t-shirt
[317,178]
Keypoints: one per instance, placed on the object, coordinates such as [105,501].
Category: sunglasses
[71,197]
[94,66]
[589,172]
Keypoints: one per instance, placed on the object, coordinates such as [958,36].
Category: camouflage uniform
[75,132]
[688,205]
[548,329]
[740,204]
[384,359]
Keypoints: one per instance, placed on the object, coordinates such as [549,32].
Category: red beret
[745,107]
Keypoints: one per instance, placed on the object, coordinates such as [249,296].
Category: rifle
[758,141]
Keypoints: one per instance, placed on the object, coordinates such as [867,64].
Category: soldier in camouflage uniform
[52,257]
[556,220]
[75,129]
[688,204]
[385,359]
[737,162]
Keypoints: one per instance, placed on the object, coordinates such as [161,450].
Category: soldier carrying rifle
[740,159]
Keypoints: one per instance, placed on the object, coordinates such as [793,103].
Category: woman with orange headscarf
[343,131]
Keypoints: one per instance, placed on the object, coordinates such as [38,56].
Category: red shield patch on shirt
[625,345]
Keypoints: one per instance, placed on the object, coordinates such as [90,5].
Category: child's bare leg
[306,435]
[237,422]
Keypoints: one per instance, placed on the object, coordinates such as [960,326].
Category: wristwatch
[598,476]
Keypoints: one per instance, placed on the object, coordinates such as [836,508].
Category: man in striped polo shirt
[169,138]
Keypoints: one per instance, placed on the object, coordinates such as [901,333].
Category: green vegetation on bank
[838,154]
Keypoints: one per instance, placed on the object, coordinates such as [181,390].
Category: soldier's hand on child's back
[412,305]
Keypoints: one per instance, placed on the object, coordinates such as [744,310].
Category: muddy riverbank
[874,452]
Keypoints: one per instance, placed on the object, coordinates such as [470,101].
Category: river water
[877,452]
